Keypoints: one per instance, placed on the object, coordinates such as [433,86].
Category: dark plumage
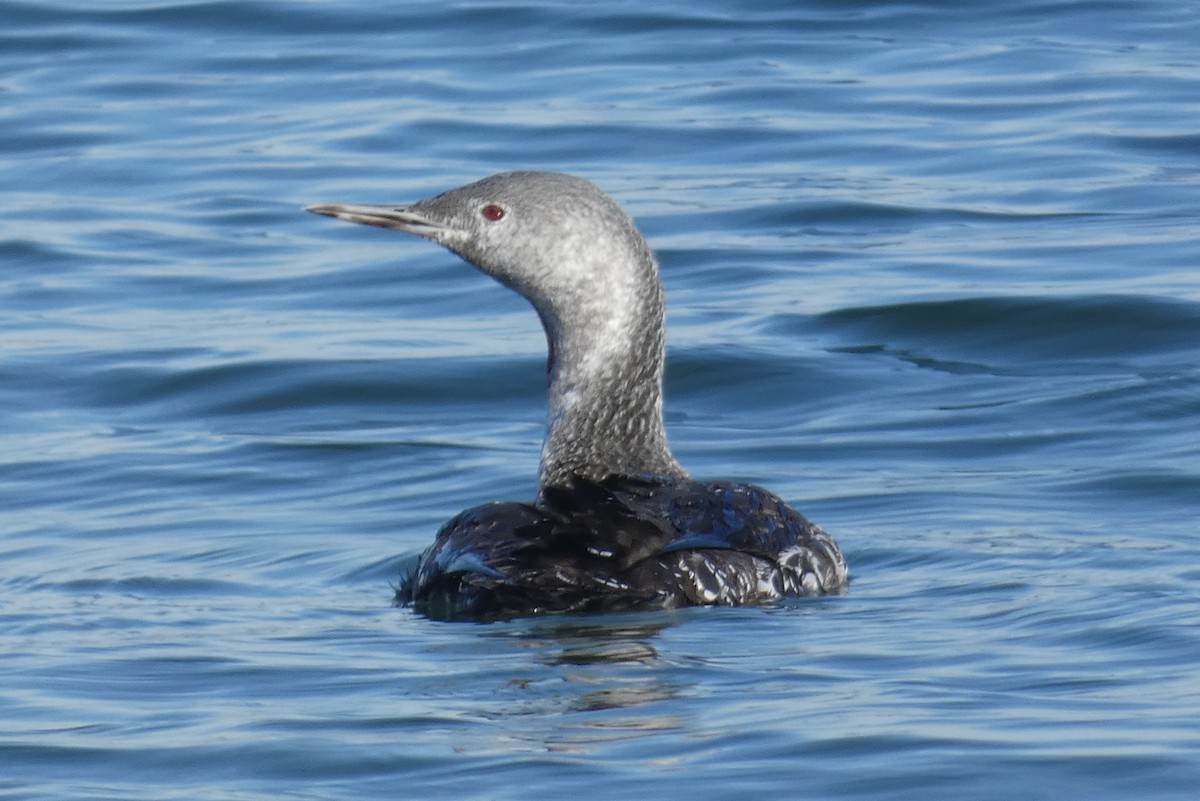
[617,524]
[623,543]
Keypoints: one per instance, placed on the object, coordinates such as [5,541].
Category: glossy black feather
[623,543]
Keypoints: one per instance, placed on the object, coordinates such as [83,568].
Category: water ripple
[931,270]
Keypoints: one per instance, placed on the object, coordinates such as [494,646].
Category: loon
[617,523]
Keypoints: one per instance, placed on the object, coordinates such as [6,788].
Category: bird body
[617,522]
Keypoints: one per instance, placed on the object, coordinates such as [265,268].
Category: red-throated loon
[617,523]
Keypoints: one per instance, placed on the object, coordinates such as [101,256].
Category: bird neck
[604,411]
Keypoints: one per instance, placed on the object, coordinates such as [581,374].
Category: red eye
[492,212]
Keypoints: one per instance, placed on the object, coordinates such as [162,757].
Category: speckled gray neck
[567,247]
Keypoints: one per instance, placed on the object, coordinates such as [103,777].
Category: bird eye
[492,212]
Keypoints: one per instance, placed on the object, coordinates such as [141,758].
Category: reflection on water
[603,682]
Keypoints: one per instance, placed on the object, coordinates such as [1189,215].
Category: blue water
[933,276]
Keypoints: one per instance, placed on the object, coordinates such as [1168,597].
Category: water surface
[932,276]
